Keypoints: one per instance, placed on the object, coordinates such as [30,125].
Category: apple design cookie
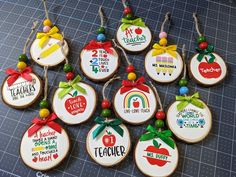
[135,102]
[21,88]
[189,118]
[99,63]
[133,38]
[208,71]
[74,107]
[108,142]
[44,145]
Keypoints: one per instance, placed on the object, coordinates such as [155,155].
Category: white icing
[141,109]
[80,108]
[156,169]
[54,58]
[99,65]
[121,144]
[60,147]
[141,41]
[195,127]
[154,66]
[218,66]
[22,92]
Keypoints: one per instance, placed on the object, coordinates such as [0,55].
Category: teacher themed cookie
[206,67]
[45,144]
[99,60]
[133,34]
[46,48]
[163,63]
[74,102]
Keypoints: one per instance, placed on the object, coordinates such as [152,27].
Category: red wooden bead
[106,104]
[127,10]
[203,45]
[69,76]
[160,115]
[130,69]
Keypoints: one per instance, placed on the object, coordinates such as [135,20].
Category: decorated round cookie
[21,91]
[99,64]
[108,145]
[46,148]
[207,70]
[49,54]
[135,105]
[134,38]
[189,123]
[156,158]
[73,106]
[163,68]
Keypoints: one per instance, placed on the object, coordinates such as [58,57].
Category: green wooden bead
[129,16]
[201,39]
[106,113]
[67,68]
[159,123]
[23,57]
[183,82]
[43,104]
[101,30]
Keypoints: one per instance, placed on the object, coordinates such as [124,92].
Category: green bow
[127,23]
[103,124]
[185,100]
[163,135]
[207,51]
[68,86]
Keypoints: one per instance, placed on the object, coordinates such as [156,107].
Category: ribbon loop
[68,86]
[185,100]
[14,75]
[115,124]
[163,135]
[93,44]
[39,123]
[129,85]
[158,50]
[127,23]
[44,37]
[208,51]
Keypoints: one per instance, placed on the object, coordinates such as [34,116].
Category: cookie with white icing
[22,92]
[45,148]
[108,146]
[75,107]
[189,122]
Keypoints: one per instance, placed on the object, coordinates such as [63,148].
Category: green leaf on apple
[156,144]
[75,93]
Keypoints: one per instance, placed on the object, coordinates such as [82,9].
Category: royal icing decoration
[74,102]
[133,35]
[45,144]
[99,60]
[163,63]
[108,142]
[206,67]
[46,49]
[189,118]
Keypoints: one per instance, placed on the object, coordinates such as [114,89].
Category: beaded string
[23,59]
[163,34]
[127,10]
[101,30]
[106,104]
[130,68]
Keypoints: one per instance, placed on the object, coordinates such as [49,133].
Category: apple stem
[70,94]
[206,59]
[108,132]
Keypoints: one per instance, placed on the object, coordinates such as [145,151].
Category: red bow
[97,45]
[128,85]
[25,73]
[39,123]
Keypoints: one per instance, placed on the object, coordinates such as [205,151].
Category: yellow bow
[158,50]
[44,37]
